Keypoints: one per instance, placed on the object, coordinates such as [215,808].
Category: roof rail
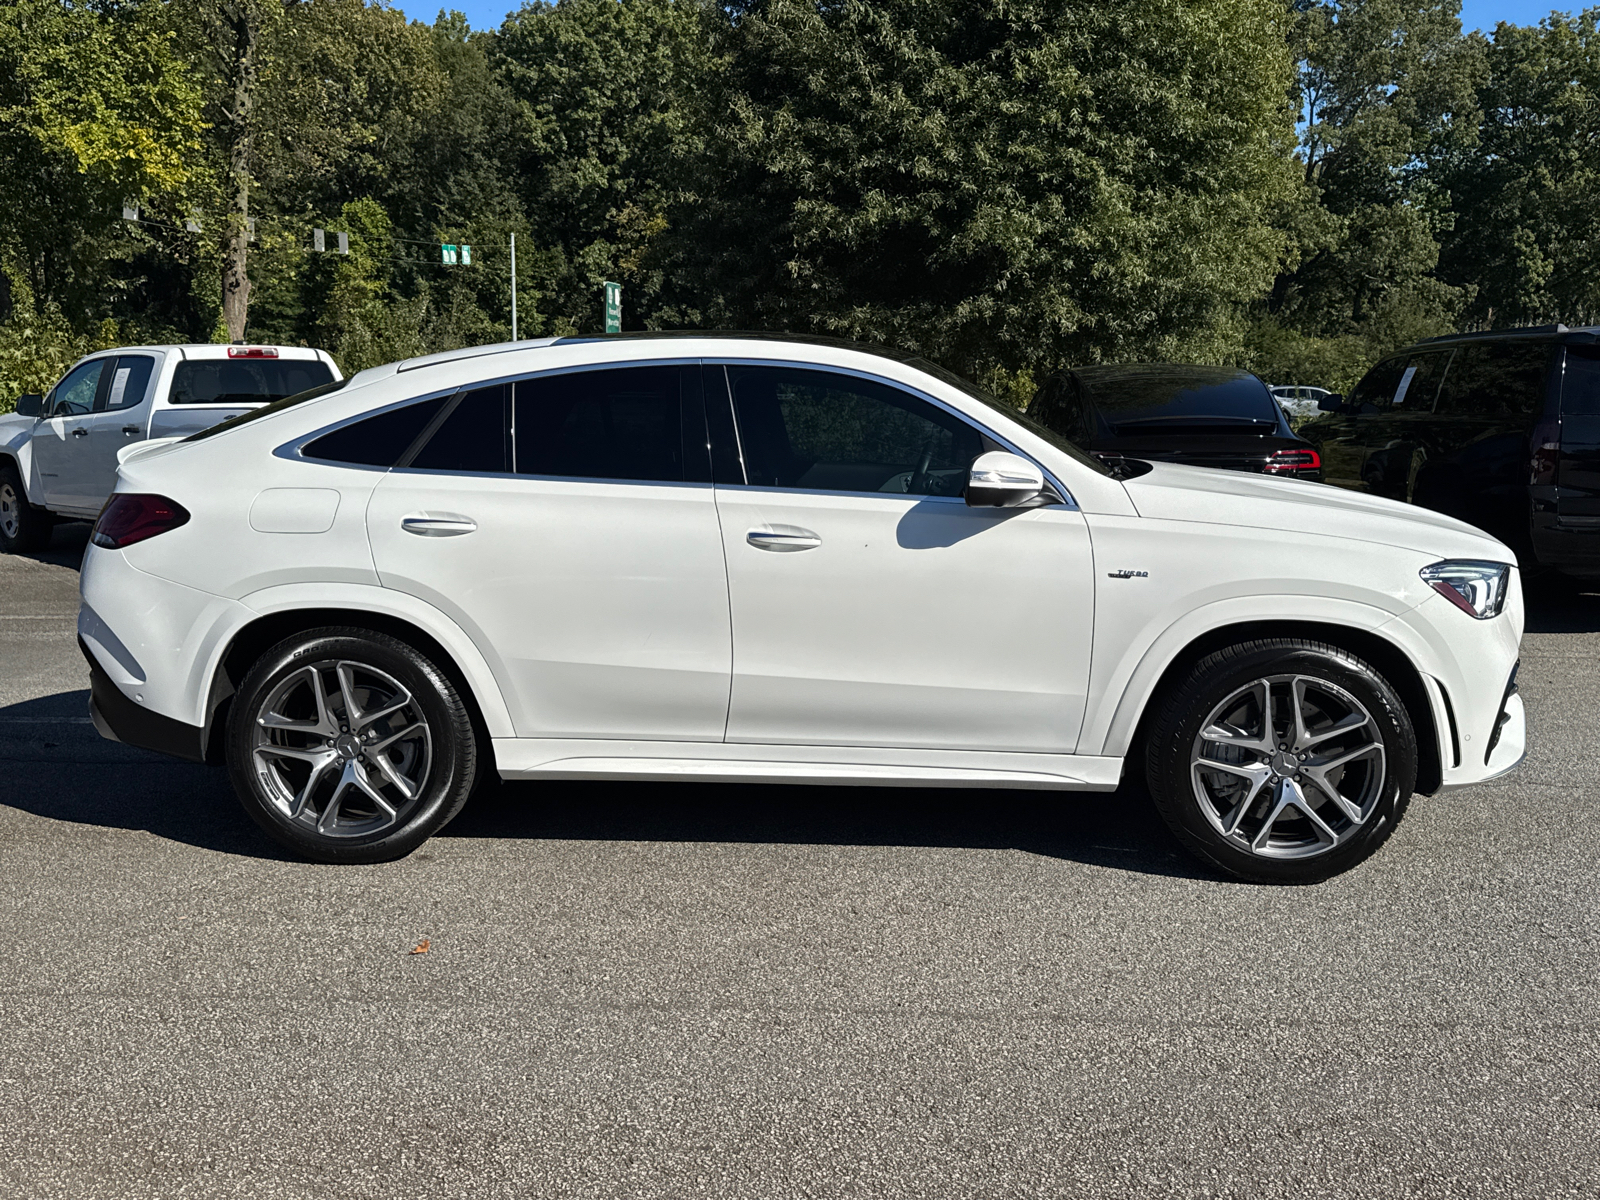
[1523,331]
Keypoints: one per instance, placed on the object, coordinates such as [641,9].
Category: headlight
[1476,588]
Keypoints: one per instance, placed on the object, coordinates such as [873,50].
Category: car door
[120,418]
[871,606]
[61,440]
[1578,467]
[567,523]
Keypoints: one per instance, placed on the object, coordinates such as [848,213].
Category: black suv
[1202,416]
[1499,429]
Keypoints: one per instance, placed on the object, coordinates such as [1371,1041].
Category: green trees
[999,184]
[1004,185]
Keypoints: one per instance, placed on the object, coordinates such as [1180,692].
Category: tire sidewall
[1217,677]
[33,527]
[454,752]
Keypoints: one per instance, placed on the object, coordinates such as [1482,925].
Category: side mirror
[1000,479]
[1332,402]
[30,404]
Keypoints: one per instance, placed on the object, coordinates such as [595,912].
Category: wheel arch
[1390,659]
[248,643]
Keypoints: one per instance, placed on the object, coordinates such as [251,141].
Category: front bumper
[125,720]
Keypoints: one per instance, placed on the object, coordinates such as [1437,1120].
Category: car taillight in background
[252,352]
[130,517]
[1293,462]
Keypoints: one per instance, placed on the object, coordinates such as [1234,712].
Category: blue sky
[1475,14]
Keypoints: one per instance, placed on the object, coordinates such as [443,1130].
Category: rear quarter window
[1580,385]
[1495,379]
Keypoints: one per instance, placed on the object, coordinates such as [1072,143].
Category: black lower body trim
[127,721]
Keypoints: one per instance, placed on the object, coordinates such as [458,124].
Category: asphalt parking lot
[727,991]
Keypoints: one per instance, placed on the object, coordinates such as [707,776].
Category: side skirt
[549,758]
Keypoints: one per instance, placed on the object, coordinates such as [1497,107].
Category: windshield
[245,381]
[266,410]
[1157,398]
[1056,438]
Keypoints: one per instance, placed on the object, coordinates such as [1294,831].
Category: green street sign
[447,254]
[613,307]
[466,255]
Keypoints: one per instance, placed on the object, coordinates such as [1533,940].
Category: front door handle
[784,539]
[80,433]
[130,429]
[438,524]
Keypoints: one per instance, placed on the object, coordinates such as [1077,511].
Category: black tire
[22,527]
[1272,840]
[271,763]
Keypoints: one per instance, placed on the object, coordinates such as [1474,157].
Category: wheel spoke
[1317,775]
[1345,724]
[373,793]
[360,719]
[394,777]
[1281,800]
[409,731]
[317,772]
[1301,805]
[330,814]
[315,756]
[1227,735]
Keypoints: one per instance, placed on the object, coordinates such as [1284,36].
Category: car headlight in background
[1476,588]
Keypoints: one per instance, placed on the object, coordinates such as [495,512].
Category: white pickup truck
[58,452]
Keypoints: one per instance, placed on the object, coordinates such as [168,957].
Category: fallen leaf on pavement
[421,947]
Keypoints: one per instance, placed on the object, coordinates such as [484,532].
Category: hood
[1178,493]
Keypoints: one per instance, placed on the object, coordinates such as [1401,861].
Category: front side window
[823,431]
[1491,380]
[74,395]
[1378,386]
[245,381]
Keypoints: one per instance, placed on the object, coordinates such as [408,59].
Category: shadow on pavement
[66,545]
[1557,604]
[55,765]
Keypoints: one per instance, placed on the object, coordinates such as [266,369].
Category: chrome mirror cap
[1000,479]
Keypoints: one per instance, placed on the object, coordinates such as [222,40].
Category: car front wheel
[350,746]
[22,527]
[1282,760]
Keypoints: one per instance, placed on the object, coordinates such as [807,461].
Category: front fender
[16,443]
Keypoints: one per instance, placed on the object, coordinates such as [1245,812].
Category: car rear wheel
[350,746]
[22,527]
[1281,760]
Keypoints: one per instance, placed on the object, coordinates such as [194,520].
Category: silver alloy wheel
[10,511]
[342,749]
[1289,766]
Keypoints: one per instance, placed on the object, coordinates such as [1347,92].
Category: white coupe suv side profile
[766,559]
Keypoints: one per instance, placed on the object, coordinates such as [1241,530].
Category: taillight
[130,517]
[1293,462]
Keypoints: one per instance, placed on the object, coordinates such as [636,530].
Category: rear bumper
[125,720]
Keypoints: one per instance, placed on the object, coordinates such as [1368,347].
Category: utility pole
[513,287]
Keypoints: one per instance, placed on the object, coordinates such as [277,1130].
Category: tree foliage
[1004,185]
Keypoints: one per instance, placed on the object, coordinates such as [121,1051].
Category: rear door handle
[784,539]
[438,525]
[80,433]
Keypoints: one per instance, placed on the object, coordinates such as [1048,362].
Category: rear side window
[245,381]
[626,423]
[1495,379]
[1580,387]
[378,441]
[474,437]
[130,379]
[1156,398]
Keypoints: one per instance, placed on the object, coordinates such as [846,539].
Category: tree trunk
[245,34]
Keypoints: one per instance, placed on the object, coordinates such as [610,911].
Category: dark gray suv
[1500,429]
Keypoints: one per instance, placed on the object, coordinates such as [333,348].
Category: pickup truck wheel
[22,527]
[1282,760]
[348,746]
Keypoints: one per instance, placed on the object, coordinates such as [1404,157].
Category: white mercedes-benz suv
[752,558]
